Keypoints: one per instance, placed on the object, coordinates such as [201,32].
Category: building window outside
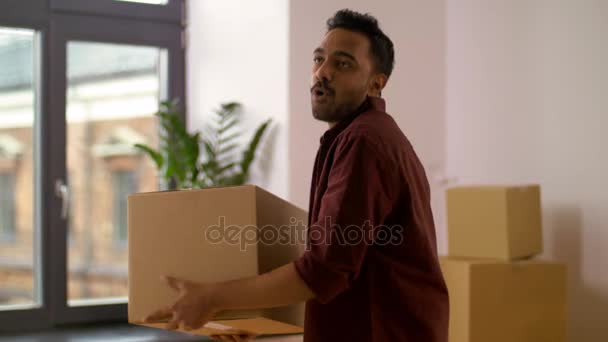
[124,183]
[8,227]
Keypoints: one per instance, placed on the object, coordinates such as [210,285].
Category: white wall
[415,92]
[526,102]
[237,51]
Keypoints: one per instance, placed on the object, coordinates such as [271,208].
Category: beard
[329,111]
[328,106]
[325,109]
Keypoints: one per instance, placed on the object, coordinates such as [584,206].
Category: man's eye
[343,64]
[317,60]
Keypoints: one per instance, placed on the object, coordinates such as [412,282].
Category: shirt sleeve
[358,198]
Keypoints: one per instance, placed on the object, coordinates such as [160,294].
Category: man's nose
[324,72]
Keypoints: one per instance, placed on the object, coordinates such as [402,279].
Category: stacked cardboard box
[212,235]
[498,292]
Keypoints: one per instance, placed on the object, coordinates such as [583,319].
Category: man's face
[342,75]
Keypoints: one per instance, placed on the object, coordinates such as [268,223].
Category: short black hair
[381,46]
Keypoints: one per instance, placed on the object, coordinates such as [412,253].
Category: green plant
[220,167]
[181,160]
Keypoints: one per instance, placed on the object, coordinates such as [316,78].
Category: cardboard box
[500,301]
[211,235]
[501,222]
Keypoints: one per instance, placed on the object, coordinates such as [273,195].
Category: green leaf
[227,111]
[194,177]
[249,154]
[225,168]
[228,138]
[154,154]
[227,126]
[177,125]
[226,149]
[192,149]
[210,169]
[171,166]
[210,149]
[231,106]
[238,179]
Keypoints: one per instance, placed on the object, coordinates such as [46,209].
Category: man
[371,271]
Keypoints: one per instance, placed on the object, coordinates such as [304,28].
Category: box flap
[252,326]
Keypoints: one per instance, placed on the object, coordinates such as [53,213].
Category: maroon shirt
[372,258]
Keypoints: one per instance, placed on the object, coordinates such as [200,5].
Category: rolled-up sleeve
[359,196]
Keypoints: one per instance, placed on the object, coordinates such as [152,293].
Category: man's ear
[376,85]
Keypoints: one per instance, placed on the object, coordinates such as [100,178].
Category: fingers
[193,325]
[161,315]
[173,282]
[244,338]
[233,338]
[174,317]
[174,322]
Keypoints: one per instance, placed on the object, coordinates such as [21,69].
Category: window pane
[123,184]
[7,206]
[154,2]
[113,94]
[18,231]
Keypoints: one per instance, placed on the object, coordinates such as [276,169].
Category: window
[123,184]
[18,230]
[77,97]
[113,91]
[7,207]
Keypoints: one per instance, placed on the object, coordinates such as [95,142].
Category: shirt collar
[370,103]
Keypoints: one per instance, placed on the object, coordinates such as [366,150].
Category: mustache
[322,86]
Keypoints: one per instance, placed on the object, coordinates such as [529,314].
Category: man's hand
[193,308]
[233,338]
[198,303]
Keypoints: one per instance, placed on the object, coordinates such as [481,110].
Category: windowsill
[117,332]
